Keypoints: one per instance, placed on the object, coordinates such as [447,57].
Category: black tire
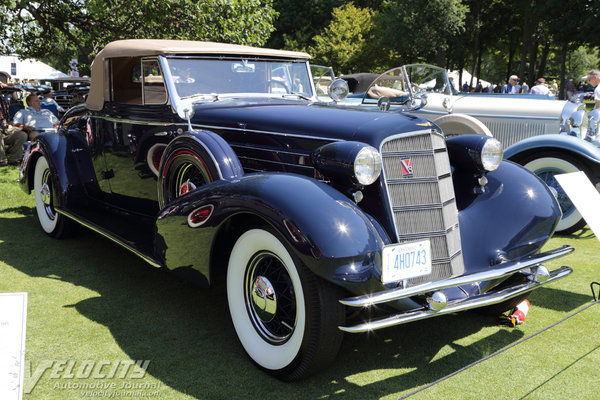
[286,318]
[54,224]
[548,164]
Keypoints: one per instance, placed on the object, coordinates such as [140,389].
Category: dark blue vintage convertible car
[217,162]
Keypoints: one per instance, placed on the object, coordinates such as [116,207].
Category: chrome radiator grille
[423,201]
[510,131]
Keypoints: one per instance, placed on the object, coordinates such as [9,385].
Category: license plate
[407,260]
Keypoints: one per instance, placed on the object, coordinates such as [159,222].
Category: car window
[153,85]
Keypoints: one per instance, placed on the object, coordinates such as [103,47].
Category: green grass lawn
[92,300]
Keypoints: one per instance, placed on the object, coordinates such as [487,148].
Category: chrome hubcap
[45,194]
[270,297]
[264,299]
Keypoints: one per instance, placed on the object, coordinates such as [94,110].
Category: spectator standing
[554,86]
[465,87]
[570,89]
[512,86]
[34,119]
[491,88]
[594,79]
[524,87]
[540,88]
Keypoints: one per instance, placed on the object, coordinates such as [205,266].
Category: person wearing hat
[593,78]
[512,86]
[540,88]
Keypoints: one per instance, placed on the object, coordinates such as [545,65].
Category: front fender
[322,226]
[564,143]
[513,218]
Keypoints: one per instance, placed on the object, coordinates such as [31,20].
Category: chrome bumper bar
[481,300]
[472,302]
[500,271]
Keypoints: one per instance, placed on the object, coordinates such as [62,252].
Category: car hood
[306,119]
[482,105]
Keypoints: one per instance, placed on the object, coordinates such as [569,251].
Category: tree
[345,44]
[82,27]
[415,30]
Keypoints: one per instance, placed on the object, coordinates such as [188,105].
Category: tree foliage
[345,44]
[80,28]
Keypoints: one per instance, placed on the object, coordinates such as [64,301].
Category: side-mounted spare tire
[194,159]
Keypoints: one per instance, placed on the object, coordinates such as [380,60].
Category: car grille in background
[63,100]
[423,203]
[510,131]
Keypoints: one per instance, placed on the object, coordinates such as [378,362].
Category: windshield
[206,76]
[428,78]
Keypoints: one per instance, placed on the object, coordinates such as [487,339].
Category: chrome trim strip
[469,303]
[502,271]
[486,115]
[276,162]
[107,235]
[183,124]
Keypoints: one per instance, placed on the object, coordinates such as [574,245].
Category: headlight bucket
[348,162]
[476,153]
[572,118]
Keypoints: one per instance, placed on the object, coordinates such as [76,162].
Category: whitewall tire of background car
[546,166]
[285,317]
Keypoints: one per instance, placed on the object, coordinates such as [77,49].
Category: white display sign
[584,196]
[13,317]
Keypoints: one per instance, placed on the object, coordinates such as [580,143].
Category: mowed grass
[92,300]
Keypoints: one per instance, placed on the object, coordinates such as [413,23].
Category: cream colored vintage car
[546,136]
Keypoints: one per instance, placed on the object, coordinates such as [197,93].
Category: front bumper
[491,297]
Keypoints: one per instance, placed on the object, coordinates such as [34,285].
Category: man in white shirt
[540,88]
[34,119]
[594,79]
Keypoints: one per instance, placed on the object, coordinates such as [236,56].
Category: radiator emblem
[407,168]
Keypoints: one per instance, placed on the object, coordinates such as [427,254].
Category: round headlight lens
[491,154]
[367,165]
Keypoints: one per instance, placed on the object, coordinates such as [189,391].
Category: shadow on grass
[187,334]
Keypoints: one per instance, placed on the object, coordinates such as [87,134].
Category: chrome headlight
[367,165]
[593,130]
[572,118]
[491,154]
[476,153]
[348,162]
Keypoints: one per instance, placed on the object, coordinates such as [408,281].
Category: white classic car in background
[548,137]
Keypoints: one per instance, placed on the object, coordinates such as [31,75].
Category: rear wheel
[53,223]
[546,166]
[285,317]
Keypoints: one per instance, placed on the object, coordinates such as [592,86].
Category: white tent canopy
[466,77]
[28,69]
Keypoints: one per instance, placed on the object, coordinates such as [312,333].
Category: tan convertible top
[99,90]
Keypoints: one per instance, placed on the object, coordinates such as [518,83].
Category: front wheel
[53,223]
[285,317]
[546,166]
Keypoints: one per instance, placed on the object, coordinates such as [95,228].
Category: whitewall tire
[54,224]
[283,315]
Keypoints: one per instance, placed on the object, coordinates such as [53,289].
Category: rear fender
[68,160]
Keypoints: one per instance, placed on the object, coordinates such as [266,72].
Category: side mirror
[338,90]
